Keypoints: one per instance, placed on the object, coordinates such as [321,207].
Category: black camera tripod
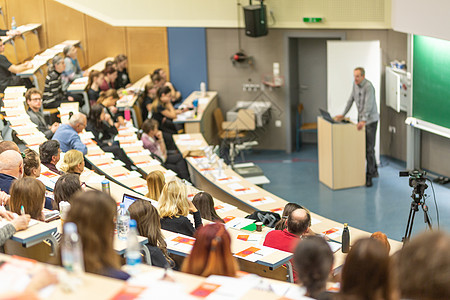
[419,187]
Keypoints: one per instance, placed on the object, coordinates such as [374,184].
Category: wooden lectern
[342,154]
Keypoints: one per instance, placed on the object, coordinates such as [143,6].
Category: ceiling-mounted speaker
[255,20]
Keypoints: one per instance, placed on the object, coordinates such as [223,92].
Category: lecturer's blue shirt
[69,139]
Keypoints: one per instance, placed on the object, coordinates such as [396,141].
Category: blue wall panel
[187,58]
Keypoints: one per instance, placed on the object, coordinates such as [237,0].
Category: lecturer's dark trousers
[371,166]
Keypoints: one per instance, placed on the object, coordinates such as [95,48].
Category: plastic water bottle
[72,250]
[123,222]
[133,253]
[13,23]
[345,239]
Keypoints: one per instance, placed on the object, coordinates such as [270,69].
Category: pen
[22,210]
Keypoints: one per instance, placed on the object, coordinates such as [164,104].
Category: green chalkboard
[431,80]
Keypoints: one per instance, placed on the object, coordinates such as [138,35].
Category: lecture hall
[243,149]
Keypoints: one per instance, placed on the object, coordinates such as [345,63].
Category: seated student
[65,188]
[313,262]
[366,273]
[424,267]
[205,204]
[67,134]
[155,184]
[96,78]
[31,164]
[8,145]
[111,64]
[94,212]
[53,92]
[50,153]
[73,70]
[211,253]
[173,208]
[14,225]
[32,168]
[148,225]
[381,237]
[34,101]
[109,79]
[287,239]
[146,100]
[102,127]
[11,168]
[123,80]
[153,141]
[8,72]
[159,78]
[164,113]
[73,162]
[288,208]
[12,32]
[29,193]
[108,100]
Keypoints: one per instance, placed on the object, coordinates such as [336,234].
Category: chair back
[21,49]
[32,42]
[10,53]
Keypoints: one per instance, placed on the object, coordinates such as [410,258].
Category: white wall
[224,13]
[429,18]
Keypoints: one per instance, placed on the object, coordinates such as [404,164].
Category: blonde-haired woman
[174,207]
[155,184]
[73,162]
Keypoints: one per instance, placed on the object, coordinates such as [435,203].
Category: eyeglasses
[36,99]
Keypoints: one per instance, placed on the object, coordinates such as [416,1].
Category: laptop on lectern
[326,116]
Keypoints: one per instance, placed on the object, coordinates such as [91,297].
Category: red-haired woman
[211,254]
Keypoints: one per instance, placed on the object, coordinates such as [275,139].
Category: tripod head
[417,181]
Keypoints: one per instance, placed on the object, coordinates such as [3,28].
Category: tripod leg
[426,216]
[405,238]
[412,222]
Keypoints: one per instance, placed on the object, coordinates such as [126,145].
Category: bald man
[11,168]
[67,134]
[287,239]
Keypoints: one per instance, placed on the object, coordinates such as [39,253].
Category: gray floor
[383,207]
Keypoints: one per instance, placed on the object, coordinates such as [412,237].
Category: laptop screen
[128,200]
[326,116]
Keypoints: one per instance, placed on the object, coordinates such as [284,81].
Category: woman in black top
[123,79]
[108,100]
[164,113]
[146,100]
[96,78]
[104,131]
[148,225]
[174,207]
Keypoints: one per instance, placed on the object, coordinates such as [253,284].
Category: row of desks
[225,184]
[147,283]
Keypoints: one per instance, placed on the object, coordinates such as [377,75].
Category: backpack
[268,218]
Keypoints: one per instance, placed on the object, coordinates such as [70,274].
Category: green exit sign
[312,20]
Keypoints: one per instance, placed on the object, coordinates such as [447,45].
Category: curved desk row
[228,186]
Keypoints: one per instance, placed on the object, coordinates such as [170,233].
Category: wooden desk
[32,236]
[42,59]
[36,234]
[204,122]
[268,266]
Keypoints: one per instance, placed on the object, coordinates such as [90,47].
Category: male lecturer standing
[363,94]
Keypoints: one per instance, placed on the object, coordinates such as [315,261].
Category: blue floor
[383,207]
